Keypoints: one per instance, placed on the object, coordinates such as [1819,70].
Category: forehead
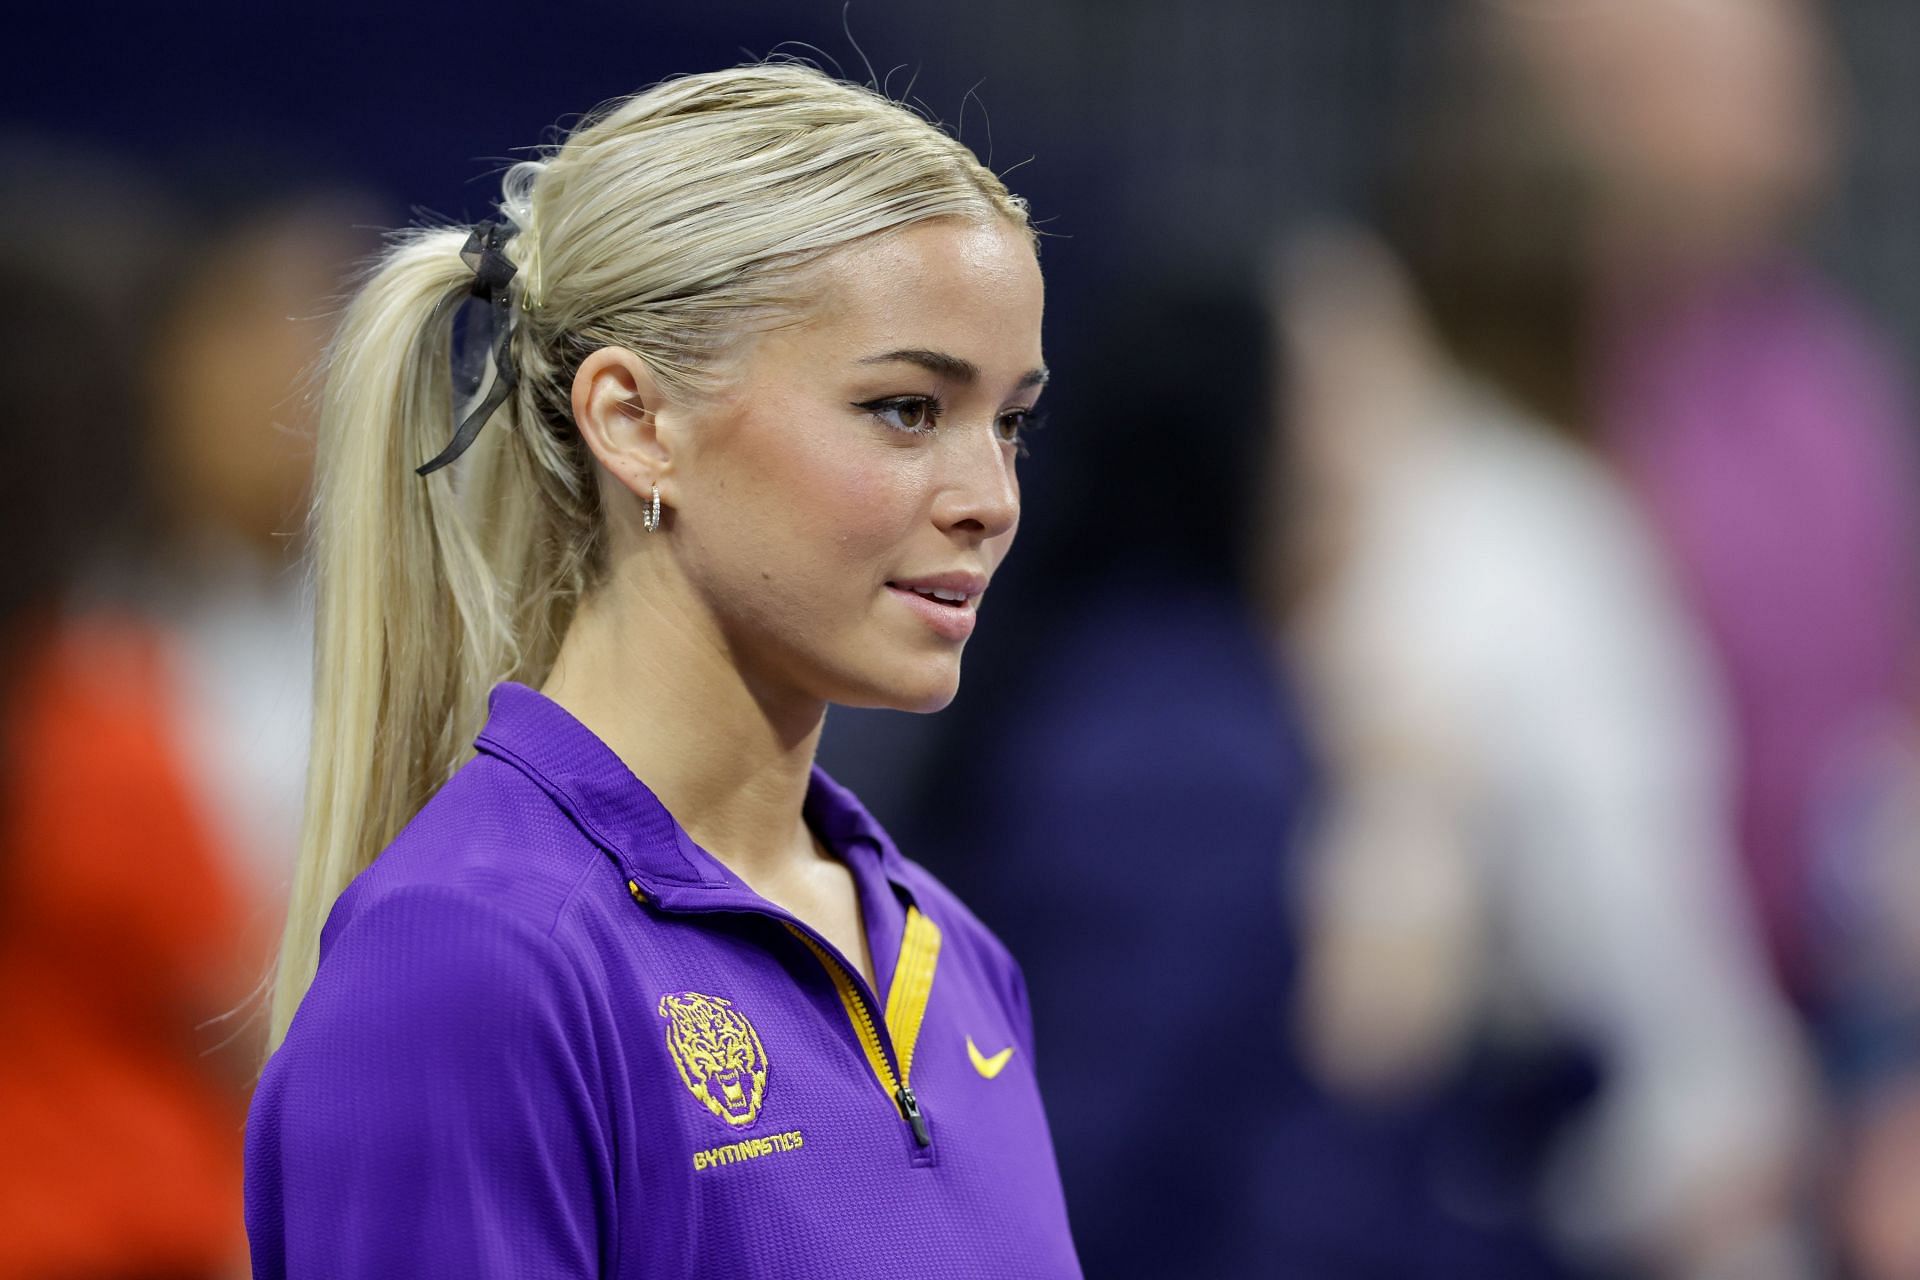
[971,289]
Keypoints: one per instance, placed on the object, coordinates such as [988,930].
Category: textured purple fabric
[1769,437]
[480,1081]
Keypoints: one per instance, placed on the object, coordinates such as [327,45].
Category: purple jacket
[551,1036]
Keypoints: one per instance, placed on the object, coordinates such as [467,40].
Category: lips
[956,599]
[954,587]
[947,605]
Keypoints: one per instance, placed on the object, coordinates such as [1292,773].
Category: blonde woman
[632,988]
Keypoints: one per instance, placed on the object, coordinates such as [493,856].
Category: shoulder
[1514,537]
[1539,590]
[474,914]
[442,945]
[492,842]
[438,990]
[1531,498]
[441,1092]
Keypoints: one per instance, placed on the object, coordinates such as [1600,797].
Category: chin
[930,701]
[921,691]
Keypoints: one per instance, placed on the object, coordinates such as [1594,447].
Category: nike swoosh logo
[988,1067]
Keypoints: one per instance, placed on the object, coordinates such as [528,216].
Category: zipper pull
[910,1108]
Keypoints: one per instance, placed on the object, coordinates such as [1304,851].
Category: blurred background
[1445,748]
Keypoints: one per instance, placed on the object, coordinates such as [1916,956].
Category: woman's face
[863,452]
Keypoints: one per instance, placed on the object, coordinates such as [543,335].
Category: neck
[648,671]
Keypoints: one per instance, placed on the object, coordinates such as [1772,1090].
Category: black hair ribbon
[486,252]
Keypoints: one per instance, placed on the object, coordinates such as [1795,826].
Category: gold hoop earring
[652,518]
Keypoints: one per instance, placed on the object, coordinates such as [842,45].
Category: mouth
[949,614]
[939,596]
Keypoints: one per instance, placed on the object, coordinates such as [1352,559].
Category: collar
[620,813]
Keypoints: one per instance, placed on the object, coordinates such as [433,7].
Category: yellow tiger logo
[718,1053]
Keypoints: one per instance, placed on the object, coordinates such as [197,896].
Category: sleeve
[433,1110]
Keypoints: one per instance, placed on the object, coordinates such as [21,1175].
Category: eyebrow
[951,367]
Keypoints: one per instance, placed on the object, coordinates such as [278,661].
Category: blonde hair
[672,223]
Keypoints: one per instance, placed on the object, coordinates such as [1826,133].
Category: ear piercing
[651,520]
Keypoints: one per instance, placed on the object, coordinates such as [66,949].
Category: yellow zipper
[912,985]
[906,1010]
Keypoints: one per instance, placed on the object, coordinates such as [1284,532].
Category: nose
[979,493]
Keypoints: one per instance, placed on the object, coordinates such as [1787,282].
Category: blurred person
[246,319]
[763,346]
[1769,435]
[1760,420]
[1128,806]
[1529,842]
[121,1147]
[1523,865]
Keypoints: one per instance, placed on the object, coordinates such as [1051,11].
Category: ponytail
[410,629]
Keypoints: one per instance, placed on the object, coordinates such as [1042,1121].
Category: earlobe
[615,407]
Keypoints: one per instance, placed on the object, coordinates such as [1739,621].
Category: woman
[764,345]
[1525,891]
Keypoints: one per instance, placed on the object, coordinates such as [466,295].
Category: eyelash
[1029,421]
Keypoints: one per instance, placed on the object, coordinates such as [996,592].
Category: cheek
[808,510]
[870,510]
[854,499]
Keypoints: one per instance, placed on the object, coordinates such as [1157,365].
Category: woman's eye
[913,414]
[1015,425]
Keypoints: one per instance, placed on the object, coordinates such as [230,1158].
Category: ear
[616,406]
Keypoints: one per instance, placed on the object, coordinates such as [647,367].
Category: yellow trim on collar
[912,987]
[857,1012]
[906,998]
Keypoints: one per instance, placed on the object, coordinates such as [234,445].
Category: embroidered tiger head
[718,1053]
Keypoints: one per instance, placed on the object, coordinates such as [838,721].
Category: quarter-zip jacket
[551,1036]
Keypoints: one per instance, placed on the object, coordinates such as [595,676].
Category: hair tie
[486,252]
